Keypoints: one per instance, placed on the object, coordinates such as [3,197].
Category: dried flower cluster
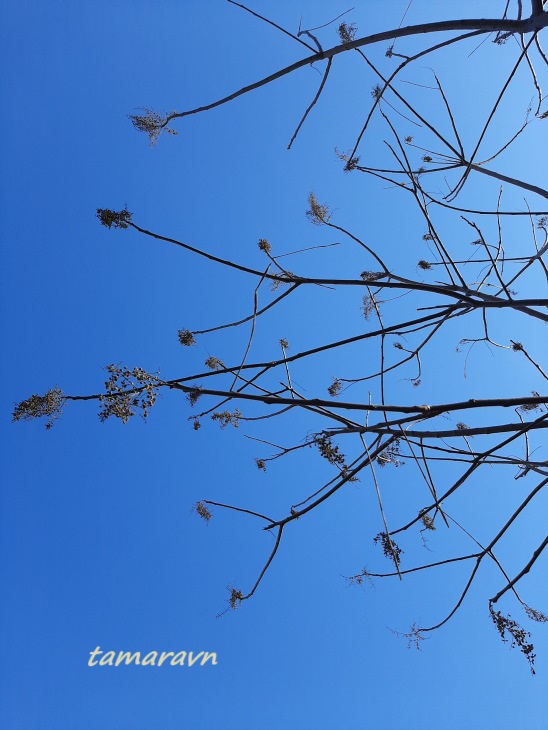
[193,396]
[518,636]
[371,275]
[389,548]
[152,123]
[213,363]
[236,597]
[351,162]
[335,388]
[112,218]
[347,33]
[329,451]
[128,391]
[317,214]
[284,278]
[40,406]
[428,522]
[202,511]
[186,338]
[535,615]
[414,637]
[264,245]
[368,305]
[227,418]
[390,454]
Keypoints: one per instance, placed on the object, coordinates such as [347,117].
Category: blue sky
[100,544]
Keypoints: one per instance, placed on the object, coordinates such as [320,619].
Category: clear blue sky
[100,546]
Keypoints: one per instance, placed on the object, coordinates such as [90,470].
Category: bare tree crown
[357,424]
